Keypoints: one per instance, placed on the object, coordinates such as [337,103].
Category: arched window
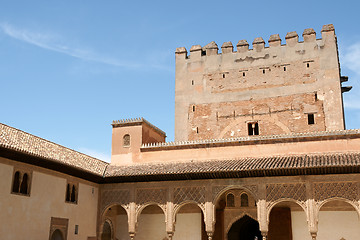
[24,184]
[230,200]
[244,200]
[73,194]
[57,235]
[16,182]
[126,140]
[67,193]
[106,233]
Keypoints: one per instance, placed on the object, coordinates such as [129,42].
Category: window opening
[253,128]
[311,119]
[76,229]
[197,130]
[244,200]
[73,194]
[263,71]
[24,184]
[67,193]
[192,82]
[307,65]
[284,69]
[243,74]
[223,75]
[193,108]
[230,200]
[126,140]
[16,182]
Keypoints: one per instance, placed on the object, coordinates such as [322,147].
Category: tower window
[253,128]
[192,82]
[126,140]
[243,74]
[230,200]
[311,119]
[263,71]
[193,108]
[244,200]
[307,65]
[223,75]
[284,69]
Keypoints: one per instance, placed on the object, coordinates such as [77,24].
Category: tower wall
[277,87]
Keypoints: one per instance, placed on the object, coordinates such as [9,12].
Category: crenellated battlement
[258,45]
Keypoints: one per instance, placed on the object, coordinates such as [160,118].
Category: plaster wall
[24,216]
[255,150]
[188,226]
[299,226]
[121,228]
[335,225]
[151,227]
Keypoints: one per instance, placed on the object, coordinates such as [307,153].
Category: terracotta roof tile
[15,139]
[241,167]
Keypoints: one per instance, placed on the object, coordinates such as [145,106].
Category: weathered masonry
[261,152]
[295,87]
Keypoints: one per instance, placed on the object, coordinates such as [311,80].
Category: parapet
[291,39]
[134,122]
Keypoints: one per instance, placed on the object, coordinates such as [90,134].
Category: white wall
[23,217]
[188,226]
[299,226]
[334,225]
[151,227]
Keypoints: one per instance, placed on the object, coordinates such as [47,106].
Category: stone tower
[283,88]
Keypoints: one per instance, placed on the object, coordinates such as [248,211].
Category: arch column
[312,217]
[262,217]
[209,219]
[170,220]
[132,221]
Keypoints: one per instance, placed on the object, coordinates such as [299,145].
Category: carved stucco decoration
[111,197]
[154,195]
[148,196]
[295,191]
[327,190]
[195,194]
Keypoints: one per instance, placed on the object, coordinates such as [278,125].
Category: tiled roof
[20,141]
[241,167]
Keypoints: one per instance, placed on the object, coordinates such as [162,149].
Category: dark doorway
[245,228]
[57,235]
[106,234]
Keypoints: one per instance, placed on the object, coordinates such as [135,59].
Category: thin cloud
[54,43]
[350,60]
[99,155]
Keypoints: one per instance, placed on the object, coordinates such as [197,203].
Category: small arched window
[126,140]
[24,184]
[230,200]
[244,200]
[16,182]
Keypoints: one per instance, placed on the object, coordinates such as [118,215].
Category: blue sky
[68,68]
